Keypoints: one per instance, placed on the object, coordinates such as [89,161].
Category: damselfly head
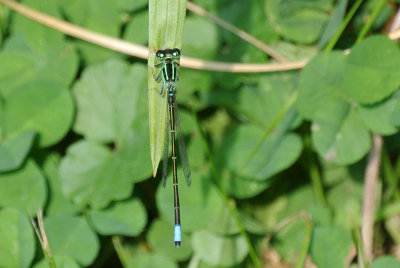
[168,53]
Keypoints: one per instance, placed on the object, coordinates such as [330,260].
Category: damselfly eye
[176,52]
[160,54]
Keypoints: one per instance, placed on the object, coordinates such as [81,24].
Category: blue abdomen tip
[177,233]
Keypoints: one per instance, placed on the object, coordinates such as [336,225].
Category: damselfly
[167,61]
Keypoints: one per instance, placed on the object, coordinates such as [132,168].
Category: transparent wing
[182,147]
[165,157]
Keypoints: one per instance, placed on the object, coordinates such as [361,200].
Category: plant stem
[119,249]
[369,197]
[343,26]
[231,205]
[375,12]
[306,243]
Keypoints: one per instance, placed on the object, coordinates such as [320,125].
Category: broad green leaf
[338,133]
[395,116]
[150,261]
[289,239]
[385,262]
[124,218]
[377,116]
[62,261]
[330,246]
[318,82]
[92,174]
[160,239]
[219,250]
[14,150]
[57,201]
[54,60]
[346,199]
[276,153]
[17,241]
[71,236]
[132,5]
[199,203]
[261,104]
[301,21]
[295,52]
[101,16]
[371,73]
[108,100]
[43,106]
[137,30]
[24,189]
[241,187]
[38,35]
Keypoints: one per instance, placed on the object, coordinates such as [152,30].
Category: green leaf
[386,261]
[395,115]
[137,30]
[17,241]
[160,238]
[218,250]
[241,187]
[371,73]
[108,100]
[44,106]
[101,16]
[330,246]
[289,239]
[166,31]
[338,134]
[125,218]
[55,61]
[61,261]
[71,236]
[92,174]
[346,199]
[14,150]
[151,260]
[57,201]
[277,152]
[261,104]
[377,116]
[301,21]
[199,202]
[24,189]
[318,82]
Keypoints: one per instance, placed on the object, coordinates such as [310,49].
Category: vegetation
[298,167]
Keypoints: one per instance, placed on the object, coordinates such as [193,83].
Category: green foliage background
[74,139]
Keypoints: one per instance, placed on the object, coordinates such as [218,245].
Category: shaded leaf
[24,189]
[330,246]
[14,150]
[125,218]
[338,133]
[71,236]
[218,250]
[17,241]
[43,106]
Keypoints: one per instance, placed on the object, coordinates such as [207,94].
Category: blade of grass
[166,21]
[343,26]
[42,236]
[375,12]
